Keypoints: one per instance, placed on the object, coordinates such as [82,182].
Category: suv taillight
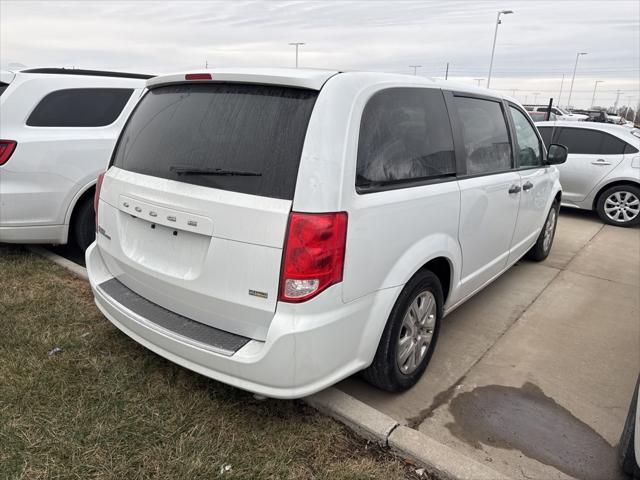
[96,198]
[313,257]
[6,149]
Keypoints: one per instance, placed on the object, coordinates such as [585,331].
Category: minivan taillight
[313,257]
[6,149]
[96,198]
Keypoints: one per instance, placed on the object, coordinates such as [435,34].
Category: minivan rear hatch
[193,213]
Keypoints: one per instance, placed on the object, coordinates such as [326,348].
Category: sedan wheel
[622,206]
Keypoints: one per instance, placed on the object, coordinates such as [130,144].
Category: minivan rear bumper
[309,346]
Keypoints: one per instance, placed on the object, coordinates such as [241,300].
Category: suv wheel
[410,335]
[620,205]
[542,247]
[84,224]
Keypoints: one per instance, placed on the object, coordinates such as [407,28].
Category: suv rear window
[80,107]
[237,137]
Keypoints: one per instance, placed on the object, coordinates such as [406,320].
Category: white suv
[279,230]
[57,130]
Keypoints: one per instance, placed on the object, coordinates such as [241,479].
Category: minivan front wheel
[542,247]
[410,335]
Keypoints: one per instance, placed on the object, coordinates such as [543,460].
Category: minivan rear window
[237,137]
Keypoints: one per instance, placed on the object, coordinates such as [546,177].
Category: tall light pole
[560,94]
[578,55]
[593,98]
[495,36]
[415,68]
[478,80]
[297,45]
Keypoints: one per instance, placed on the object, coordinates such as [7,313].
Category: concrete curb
[439,460]
[74,268]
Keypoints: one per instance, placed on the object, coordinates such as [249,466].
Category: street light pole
[297,45]
[593,98]
[574,77]
[415,68]
[560,94]
[478,80]
[495,36]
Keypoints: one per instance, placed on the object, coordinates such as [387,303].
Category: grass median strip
[78,399]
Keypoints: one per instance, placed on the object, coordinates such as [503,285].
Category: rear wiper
[180,170]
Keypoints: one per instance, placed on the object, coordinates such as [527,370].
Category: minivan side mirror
[557,154]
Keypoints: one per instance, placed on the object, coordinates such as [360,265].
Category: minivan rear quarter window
[80,107]
[237,137]
[405,135]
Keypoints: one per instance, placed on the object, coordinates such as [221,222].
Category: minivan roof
[310,78]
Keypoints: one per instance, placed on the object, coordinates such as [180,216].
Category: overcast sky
[536,45]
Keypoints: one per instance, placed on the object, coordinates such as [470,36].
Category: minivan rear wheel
[84,224]
[410,335]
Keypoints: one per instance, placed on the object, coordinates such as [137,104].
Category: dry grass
[106,408]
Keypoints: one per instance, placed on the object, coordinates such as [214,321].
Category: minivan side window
[485,135]
[530,153]
[80,107]
[405,135]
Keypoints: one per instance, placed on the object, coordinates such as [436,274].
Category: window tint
[3,87]
[405,134]
[630,149]
[252,135]
[529,151]
[590,142]
[580,140]
[80,107]
[484,131]
[545,133]
[611,145]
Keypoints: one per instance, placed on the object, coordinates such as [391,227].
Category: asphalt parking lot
[533,376]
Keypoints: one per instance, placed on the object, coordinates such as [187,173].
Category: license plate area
[167,250]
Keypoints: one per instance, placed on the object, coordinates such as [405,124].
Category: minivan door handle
[601,161]
[514,189]
[527,186]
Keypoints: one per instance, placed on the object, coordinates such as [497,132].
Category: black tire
[539,251]
[624,191]
[384,372]
[84,224]
[626,449]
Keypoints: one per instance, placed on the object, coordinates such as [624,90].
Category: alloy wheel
[622,206]
[549,229]
[416,332]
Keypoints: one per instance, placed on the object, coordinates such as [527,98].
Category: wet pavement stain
[527,420]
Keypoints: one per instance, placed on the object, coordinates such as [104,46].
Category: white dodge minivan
[280,230]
